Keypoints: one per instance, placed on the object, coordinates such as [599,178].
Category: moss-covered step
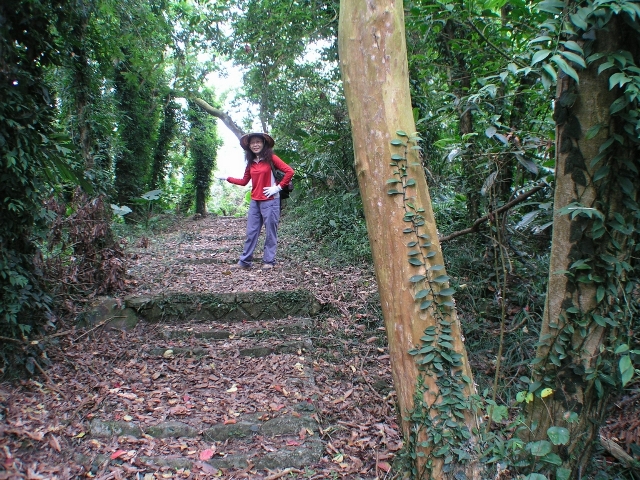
[226,307]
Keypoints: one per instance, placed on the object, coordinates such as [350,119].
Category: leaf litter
[336,369]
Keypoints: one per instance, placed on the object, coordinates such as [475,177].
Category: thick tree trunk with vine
[591,257]
[404,241]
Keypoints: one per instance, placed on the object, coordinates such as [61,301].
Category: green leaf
[622,348]
[593,131]
[550,71]
[393,180]
[397,142]
[552,458]
[441,279]
[564,66]
[417,278]
[539,56]
[558,435]
[601,173]
[446,292]
[618,79]
[401,133]
[563,473]
[604,66]
[426,304]
[575,58]
[415,262]
[396,156]
[626,369]
[578,21]
[539,448]
[571,45]
[619,104]
[422,294]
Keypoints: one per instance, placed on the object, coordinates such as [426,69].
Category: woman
[265,196]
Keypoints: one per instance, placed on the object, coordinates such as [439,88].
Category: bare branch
[506,206]
[216,112]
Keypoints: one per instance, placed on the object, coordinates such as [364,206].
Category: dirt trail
[200,371]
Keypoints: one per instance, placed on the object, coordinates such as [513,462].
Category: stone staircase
[221,383]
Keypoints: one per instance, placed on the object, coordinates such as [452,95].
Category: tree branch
[495,47]
[216,112]
[506,206]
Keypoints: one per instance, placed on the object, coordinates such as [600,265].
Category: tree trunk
[584,320]
[374,67]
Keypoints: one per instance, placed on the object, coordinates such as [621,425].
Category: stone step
[259,440]
[226,307]
[223,330]
[269,337]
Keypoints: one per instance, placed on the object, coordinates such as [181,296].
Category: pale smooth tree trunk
[373,61]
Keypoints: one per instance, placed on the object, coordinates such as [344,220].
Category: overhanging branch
[481,220]
[216,112]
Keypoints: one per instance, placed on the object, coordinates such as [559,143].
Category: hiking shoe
[240,266]
[267,266]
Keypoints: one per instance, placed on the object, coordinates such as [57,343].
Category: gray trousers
[267,213]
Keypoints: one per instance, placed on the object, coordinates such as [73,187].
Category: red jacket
[260,175]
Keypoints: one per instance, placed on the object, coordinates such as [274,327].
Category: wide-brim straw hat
[244,140]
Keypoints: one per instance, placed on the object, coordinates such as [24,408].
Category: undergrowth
[335,222]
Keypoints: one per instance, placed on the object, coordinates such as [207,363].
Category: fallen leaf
[233,389]
[168,354]
[117,453]
[230,421]
[55,444]
[292,443]
[371,339]
[206,454]
[127,418]
[384,466]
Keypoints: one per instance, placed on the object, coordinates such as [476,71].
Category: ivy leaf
[446,292]
[397,142]
[563,473]
[558,435]
[415,262]
[565,67]
[417,278]
[421,294]
[426,304]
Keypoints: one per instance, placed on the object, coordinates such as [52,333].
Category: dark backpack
[279,175]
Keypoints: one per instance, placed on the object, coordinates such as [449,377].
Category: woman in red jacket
[265,196]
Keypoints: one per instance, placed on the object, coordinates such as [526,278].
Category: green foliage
[32,154]
[336,222]
[203,147]
[228,200]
